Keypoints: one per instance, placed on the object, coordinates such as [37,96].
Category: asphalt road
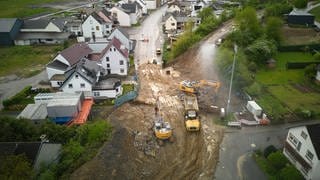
[11,88]
[149,37]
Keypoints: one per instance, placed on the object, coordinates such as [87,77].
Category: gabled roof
[130,7]
[123,31]
[117,44]
[105,15]
[6,24]
[314,133]
[76,52]
[297,12]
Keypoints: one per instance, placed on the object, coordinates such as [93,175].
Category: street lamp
[235,48]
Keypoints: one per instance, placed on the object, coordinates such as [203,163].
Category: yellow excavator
[161,128]
[193,86]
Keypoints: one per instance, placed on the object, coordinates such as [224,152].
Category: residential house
[134,10]
[176,22]
[196,8]
[42,31]
[302,148]
[123,37]
[97,25]
[39,153]
[122,16]
[143,6]
[115,58]
[74,27]
[65,60]
[173,8]
[85,77]
[300,17]
[9,29]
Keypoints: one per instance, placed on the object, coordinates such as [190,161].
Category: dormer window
[77,76]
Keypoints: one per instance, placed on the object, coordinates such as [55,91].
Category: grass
[316,13]
[127,88]
[281,97]
[25,61]
[23,8]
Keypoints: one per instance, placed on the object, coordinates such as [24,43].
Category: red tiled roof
[117,44]
[76,52]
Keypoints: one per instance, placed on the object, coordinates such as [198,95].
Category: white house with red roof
[97,25]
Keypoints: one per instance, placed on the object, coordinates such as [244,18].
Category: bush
[290,173]
[304,113]
[268,150]
[316,56]
[277,160]
[20,100]
[300,3]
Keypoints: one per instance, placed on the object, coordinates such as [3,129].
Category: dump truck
[191,108]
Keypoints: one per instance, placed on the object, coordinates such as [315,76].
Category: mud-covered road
[133,152]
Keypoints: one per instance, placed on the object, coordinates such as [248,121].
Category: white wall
[89,26]
[306,144]
[168,24]
[122,17]
[55,83]
[123,39]
[133,18]
[52,71]
[76,84]
[173,8]
[318,75]
[114,61]
[108,93]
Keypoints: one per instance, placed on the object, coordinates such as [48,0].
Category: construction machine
[193,86]
[191,108]
[161,128]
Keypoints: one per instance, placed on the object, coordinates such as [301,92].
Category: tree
[249,26]
[316,56]
[206,13]
[277,9]
[261,50]
[300,3]
[273,29]
[277,160]
[290,173]
[310,71]
[15,167]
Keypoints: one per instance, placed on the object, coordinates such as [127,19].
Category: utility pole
[232,72]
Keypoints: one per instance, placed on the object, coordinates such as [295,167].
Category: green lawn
[316,12]
[23,8]
[25,61]
[280,96]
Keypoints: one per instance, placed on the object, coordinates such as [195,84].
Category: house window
[108,65]
[173,24]
[293,140]
[59,83]
[92,28]
[70,86]
[304,135]
[77,76]
[97,28]
[117,90]
[309,155]
[121,62]
[114,49]
[110,49]
[96,93]
[90,21]
[82,85]
[121,70]
[107,59]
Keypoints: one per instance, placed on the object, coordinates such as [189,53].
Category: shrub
[277,160]
[316,56]
[290,173]
[268,150]
[22,98]
[304,113]
[300,3]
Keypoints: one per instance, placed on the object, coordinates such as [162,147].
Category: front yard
[25,61]
[285,91]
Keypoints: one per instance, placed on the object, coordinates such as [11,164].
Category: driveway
[11,88]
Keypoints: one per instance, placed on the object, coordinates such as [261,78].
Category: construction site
[151,138]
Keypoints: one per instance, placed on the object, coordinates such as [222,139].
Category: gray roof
[130,7]
[124,32]
[58,65]
[76,52]
[6,24]
[43,23]
[48,153]
[296,12]
[107,84]
[42,35]
[34,112]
